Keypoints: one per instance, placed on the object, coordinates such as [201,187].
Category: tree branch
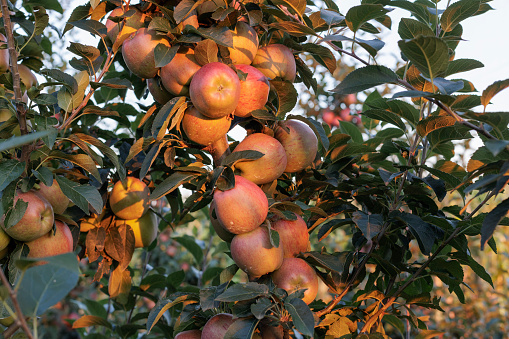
[20,319]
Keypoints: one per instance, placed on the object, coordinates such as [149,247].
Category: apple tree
[184,119]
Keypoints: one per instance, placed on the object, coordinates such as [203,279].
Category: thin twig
[20,319]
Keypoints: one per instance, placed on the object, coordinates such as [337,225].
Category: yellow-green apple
[130,201]
[203,130]
[51,244]
[37,220]
[275,61]
[4,240]
[254,254]
[138,52]
[300,144]
[242,208]
[216,327]
[177,74]
[254,91]
[245,44]
[190,334]
[159,93]
[58,200]
[135,21]
[27,76]
[295,274]
[215,90]
[144,228]
[221,232]
[293,235]
[4,55]
[267,168]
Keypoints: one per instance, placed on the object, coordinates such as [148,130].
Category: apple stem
[20,320]
[219,150]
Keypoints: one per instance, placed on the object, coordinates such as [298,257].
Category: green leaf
[79,13]
[458,12]
[492,220]
[44,174]
[410,28]
[420,11]
[163,54]
[349,150]
[95,308]
[352,130]
[234,157]
[466,259]
[462,65]
[92,26]
[171,183]
[41,20]
[45,99]
[428,125]
[65,78]
[10,170]
[48,283]
[91,320]
[260,308]
[220,35]
[496,146]
[293,28]
[325,260]
[81,160]
[492,90]
[164,305]
[398,107]
[190,244]
[369,224]
[286,94]
[302,317]
[386,116]
[47,4]
[429,54]
[244,291]
[183,9]
[358,15]
[165,115]
[364,78]
[16,142]
[81,195]
[241,329]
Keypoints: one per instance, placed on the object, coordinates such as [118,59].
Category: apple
[330,118]
[293,234]
[295,274]
[177,74]
[254,91]
[254,254]
[216,327]
[4,55]
[4,240]
[135,21]
[58,200]
[344,115]
[242,208]
[215,90]
[245,44]
[300,144]
[190,334]
[271,332]
[159,93]
[3,254]
[26,75]
[130,201]
[37,220]
[203,130]
[350,99]
[267,168]
[51,244]
[144,228]
[138,52]
[221,232]
[276,60]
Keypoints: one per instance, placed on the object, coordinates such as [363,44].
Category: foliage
[385,179]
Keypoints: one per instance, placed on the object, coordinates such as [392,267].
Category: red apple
[276,60]
[254,254]
[300,144]
[267,168]
[344,115]
[203,130]
[218,227]
[271,332]
[350,99]
[51,244]
[215,90]
[191,334]
[177,74]
[295,274]
[216,327]
[159,93]
[135,21]
[245,44]
[37,220]
[254,91]
[4,55]
[58,200]
[130,201]
[242,208]
[330,118]
[144,228]
[138,52]
[293,234]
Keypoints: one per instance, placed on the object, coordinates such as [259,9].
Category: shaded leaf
[410,28]
[429,54]
[424,232]
[428,125]
[244,291]
[492,220]
[241,329]
[81,195]
[10,170]
[190,244]
[492,90]
[286,94]
[364,78]
[369,224]
[171,183]
[458,12]
[302,317]
[358,15]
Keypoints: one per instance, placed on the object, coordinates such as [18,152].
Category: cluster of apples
[35,228]
[343,112]
[130,202]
